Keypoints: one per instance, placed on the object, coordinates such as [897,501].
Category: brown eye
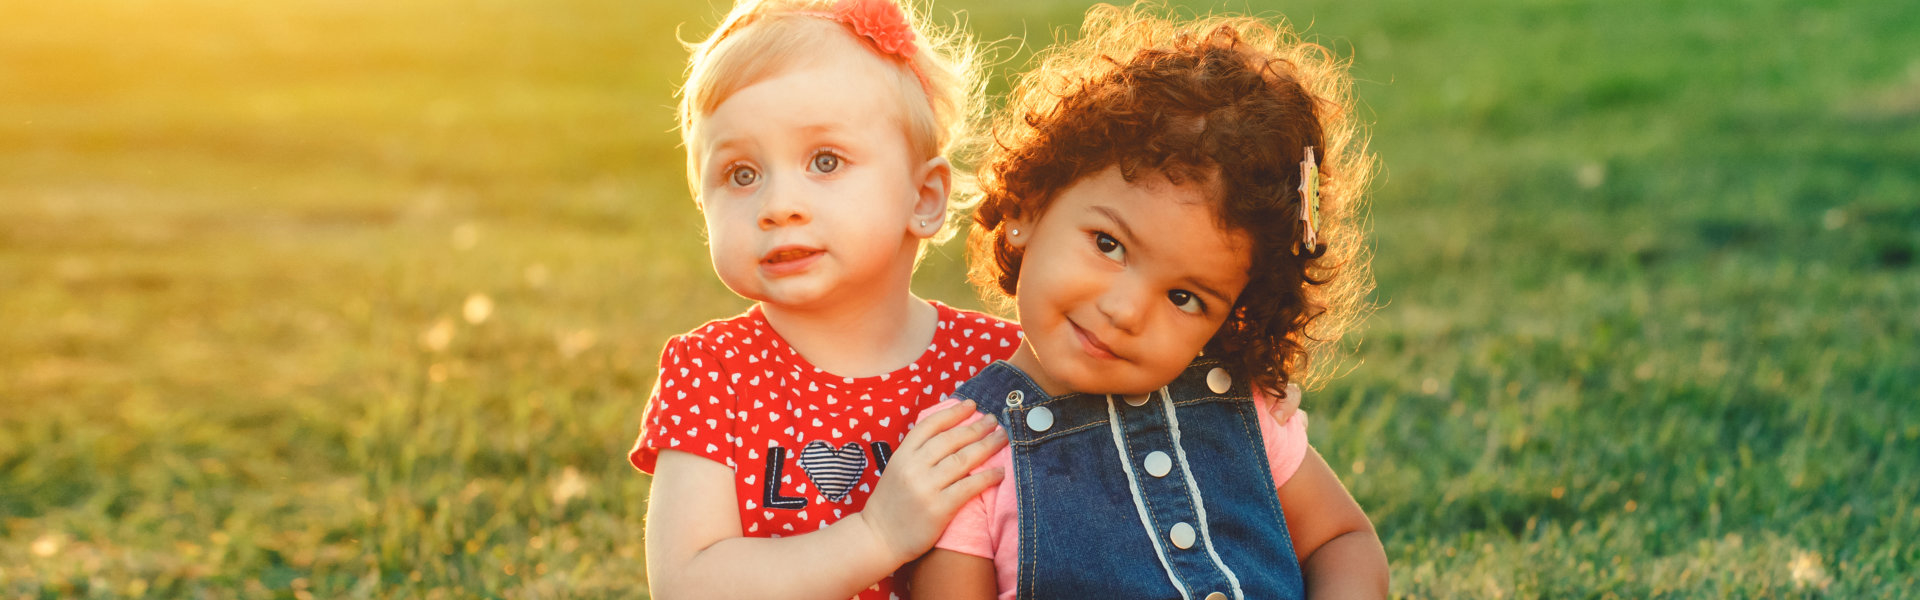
[744,176]
[1109,246]
[1186,301]
[825,163]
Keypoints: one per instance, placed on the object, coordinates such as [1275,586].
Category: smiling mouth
[1092,345]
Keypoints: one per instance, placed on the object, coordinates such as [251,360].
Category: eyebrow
[1209,290]
[720,145]
[821,128]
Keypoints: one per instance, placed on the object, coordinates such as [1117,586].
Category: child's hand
[927,479]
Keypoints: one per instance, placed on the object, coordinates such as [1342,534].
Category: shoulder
[1286,443]
[707,344]
[698,367]
[982,324]
[745,329]
[976,334]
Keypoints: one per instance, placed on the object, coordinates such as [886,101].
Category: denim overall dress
[1162,495]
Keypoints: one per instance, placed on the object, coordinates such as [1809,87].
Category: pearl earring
[1016,232]
[923,222]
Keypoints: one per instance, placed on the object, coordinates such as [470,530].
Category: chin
[1116,378]
[1125,390]
[1088,379]
[796,299]
[787,291]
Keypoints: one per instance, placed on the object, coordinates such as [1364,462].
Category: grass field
[343,298]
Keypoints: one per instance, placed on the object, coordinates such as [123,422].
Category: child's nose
[1123,305]
[783,207]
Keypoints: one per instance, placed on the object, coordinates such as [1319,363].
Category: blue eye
[743,176]
[825,162]
[1109,246]
[1187,302]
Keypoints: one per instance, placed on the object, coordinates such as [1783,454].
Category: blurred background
[344,298]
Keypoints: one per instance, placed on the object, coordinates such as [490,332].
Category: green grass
[1649,324]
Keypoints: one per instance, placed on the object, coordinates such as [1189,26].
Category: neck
[862,337]
[1027,361]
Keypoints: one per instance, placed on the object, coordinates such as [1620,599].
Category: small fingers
[966,488]
[971,456]
[938,422]
[951,440]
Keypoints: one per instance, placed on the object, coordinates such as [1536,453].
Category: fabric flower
[881,21]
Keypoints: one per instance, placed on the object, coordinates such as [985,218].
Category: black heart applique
[834,471]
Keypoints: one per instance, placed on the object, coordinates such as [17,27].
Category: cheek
[1198,339]
[725,242]
[1184,341]
[1056,264]
[1039,285]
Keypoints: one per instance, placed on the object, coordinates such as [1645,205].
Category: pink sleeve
[1286,442]
[970,530]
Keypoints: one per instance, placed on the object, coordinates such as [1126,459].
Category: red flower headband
[884,25]
[881,21]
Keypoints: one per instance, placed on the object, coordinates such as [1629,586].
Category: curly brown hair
[1232,100]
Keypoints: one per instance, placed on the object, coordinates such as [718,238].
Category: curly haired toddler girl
[1171,206]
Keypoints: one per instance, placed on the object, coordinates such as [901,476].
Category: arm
[947,575]
[695,547]
[1340,555]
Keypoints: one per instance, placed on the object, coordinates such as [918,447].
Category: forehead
[1176,226]
[838,84]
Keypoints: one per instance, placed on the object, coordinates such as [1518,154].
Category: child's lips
[787,260]
[1092,345]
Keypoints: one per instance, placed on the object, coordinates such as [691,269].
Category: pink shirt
[988,526]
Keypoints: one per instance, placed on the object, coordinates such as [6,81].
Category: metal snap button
[1158,464]
[1137,400]
[1040,419]
[1219,381]
[1216,596]
[1014,398]
[1181,535]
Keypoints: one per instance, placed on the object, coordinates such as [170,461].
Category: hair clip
[1310,245]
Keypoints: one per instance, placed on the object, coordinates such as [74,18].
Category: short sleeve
[689,409]
[1286,443]
[970,531]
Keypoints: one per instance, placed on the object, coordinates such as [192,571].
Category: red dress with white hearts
[806,446]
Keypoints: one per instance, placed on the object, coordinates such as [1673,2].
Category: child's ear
[1015,231]
[930,197]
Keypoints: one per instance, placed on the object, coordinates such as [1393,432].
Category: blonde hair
[761,38]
